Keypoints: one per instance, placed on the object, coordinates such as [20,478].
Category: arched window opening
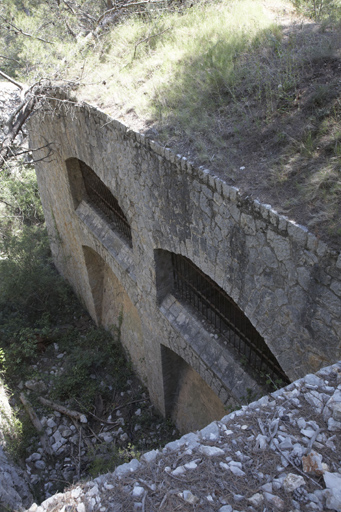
[102,199]
[191,285]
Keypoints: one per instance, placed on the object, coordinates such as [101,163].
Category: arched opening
[114,309]
[189,401]
[178,275]
[85,184]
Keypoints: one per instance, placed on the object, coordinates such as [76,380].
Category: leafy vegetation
[39,314]
[320,10]
[234,85]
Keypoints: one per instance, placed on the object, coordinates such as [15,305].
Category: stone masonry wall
[286,281]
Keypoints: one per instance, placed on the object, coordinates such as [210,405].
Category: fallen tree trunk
[37,424]
[63,410]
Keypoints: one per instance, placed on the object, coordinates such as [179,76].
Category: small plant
[319,10]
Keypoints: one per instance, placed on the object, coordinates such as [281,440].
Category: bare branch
[71,32]
[118,8]
[63,410]
[15,126]
[20,30]
[147,39]
[9,58]
[70,7]
[14,82]
[37,424]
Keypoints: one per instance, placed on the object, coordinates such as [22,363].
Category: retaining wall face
[286,281]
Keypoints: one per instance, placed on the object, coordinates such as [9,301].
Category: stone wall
[286,281]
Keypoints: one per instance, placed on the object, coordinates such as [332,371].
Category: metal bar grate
[101,197]
[196,288]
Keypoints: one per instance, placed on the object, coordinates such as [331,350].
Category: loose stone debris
[280,453]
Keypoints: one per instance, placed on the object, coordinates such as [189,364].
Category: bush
[29,282]
[320,10]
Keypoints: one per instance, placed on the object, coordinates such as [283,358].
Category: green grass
[226,83]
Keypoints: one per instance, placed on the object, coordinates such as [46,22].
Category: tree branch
[20,30]
[6,77]
[9,58]
[63,410]
[147,39]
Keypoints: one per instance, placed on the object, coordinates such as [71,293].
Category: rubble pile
[281,452]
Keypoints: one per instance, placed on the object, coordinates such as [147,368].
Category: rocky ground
[281,453]
[62,445]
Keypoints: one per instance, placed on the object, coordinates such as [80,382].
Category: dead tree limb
[147,39]
[119,7]
[36,423]
[63,410]
[9,58]
[16,125]
[20,31]
[6,77]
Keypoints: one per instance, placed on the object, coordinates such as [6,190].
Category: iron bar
[223,313]
[101,197]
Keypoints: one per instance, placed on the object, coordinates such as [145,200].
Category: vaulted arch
[178,275]
[85,184]
[114,308]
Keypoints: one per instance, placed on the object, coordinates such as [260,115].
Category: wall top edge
[297,232]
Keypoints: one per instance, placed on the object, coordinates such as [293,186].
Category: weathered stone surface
[258,258]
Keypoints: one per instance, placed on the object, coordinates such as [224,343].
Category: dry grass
[247,88]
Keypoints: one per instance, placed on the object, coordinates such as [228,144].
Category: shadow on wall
[189,401]
[114,309]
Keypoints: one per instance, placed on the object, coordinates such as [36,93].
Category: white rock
[93,491]
[308,432]
[211,431]
[189,497]
[237,464]
[127,468]
[191,465]
[334,426]
[336,411]
[150,456]
[275,501]
[332,480]
[313,380]
[180,470]
[301,423]
[33,457]
[315,399]
[211,451]
[236,471]
[40,464]
[292,482]
[261,442]
[51,423]
[75,493]
[256,500]
[138,491]
[56,447]
[286,444]
[226,508]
